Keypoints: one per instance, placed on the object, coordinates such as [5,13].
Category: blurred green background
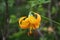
[12,10]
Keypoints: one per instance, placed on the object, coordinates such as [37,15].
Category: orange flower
[30,22]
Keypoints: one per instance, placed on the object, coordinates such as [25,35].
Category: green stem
[51,20]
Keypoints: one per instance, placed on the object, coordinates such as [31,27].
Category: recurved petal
[38,17]
[37,22]
[24,24]
[21,19]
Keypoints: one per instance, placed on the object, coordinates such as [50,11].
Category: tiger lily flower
[31,22]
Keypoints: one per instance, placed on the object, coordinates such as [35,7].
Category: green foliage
[21,35]
[11,2]
[2,7]
[13,19]
[53,10]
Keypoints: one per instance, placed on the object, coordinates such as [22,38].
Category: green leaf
[13,19]
[53,10]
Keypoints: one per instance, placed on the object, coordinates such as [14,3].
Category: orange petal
[20,20]
[32,19]
[24,24]
[38,17]
[37,23]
